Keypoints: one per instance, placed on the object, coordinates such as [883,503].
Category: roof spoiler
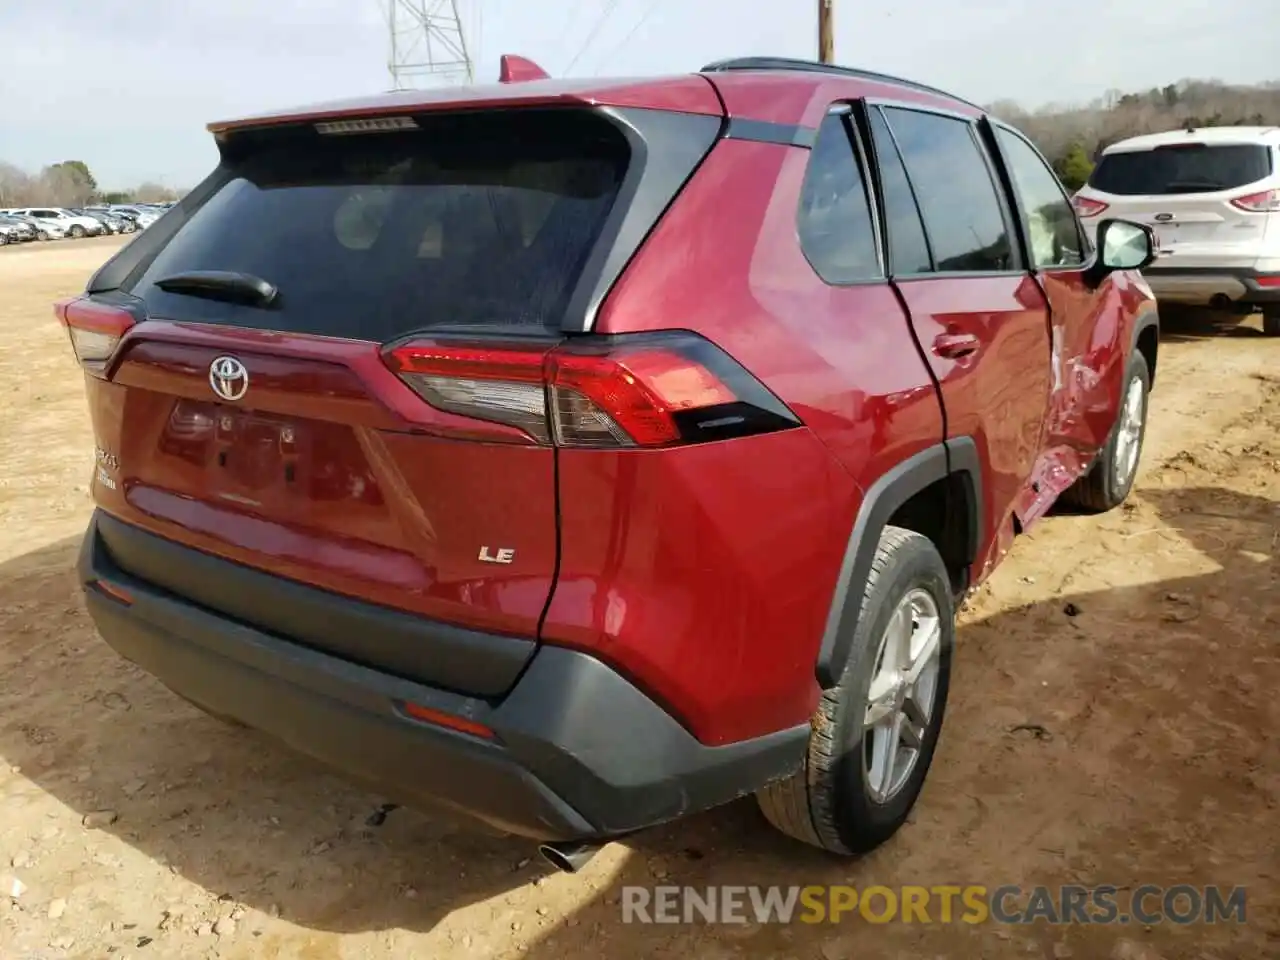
[517,69]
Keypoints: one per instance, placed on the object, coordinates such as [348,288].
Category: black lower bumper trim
[399,643]
[579,753]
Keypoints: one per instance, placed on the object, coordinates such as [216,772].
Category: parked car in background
[106,224]
[140,215]
[113,222]
[20,231]
[579,456]
[1212,196]
[72,225]
[44,229]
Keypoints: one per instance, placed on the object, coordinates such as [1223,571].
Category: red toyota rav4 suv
[581,454]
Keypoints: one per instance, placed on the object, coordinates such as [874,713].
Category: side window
[1053,234]
[908,248]
[834,222]
[957,196]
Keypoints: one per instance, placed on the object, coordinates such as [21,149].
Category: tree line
[1072,137]
[69,184]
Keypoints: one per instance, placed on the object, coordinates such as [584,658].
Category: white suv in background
[1213,197]
[54,219]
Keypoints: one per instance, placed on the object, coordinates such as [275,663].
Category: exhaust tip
[568,857]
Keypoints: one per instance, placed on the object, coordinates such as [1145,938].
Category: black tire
[42,235]
[76,231]
[829,802]
[1271,322]
[1099,490]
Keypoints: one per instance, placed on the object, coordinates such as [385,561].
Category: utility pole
[826,32]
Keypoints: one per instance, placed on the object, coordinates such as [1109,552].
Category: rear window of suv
[1182,168]
[481,219]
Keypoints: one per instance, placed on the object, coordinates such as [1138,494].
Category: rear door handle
[955,345]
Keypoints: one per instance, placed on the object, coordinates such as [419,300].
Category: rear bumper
[577,751]
[1203,285]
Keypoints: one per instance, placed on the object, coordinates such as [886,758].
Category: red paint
[704,573]
[515,69]
[688,94]
[786,97]
[999,392]
[380,500]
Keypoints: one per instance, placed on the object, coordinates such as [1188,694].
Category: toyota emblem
[229,378]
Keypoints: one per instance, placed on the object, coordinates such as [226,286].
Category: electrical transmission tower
[427,43]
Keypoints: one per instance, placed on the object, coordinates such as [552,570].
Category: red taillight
[628,396]
[499,383]
[95,330]
[1270,282]
[1086,207]
[1266,201]
[641,391]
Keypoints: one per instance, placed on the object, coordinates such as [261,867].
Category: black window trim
[845,110]
[996,184]
[989,126]
[863,115]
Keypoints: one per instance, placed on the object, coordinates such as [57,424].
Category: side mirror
[1122,245]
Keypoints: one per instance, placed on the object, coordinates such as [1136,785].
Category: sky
[128,85]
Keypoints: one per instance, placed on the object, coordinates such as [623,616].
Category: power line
[654,4]
[609,7]
[573,14]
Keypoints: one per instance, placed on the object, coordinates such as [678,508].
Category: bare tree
[153,193]
[1115,116]
[15,186]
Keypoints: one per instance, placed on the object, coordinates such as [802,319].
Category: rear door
[1186,192]
[978,314]
[272,433]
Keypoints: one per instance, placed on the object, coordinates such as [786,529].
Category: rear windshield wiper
[221,285]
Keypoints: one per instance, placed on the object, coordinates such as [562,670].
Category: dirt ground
[1142,643]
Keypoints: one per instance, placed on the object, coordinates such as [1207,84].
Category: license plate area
[238,451]
[1166,236]
[257,453]
[268,459]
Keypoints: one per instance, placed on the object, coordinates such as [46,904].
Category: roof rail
[811,66]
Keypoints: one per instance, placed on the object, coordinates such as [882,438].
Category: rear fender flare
[957,456]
